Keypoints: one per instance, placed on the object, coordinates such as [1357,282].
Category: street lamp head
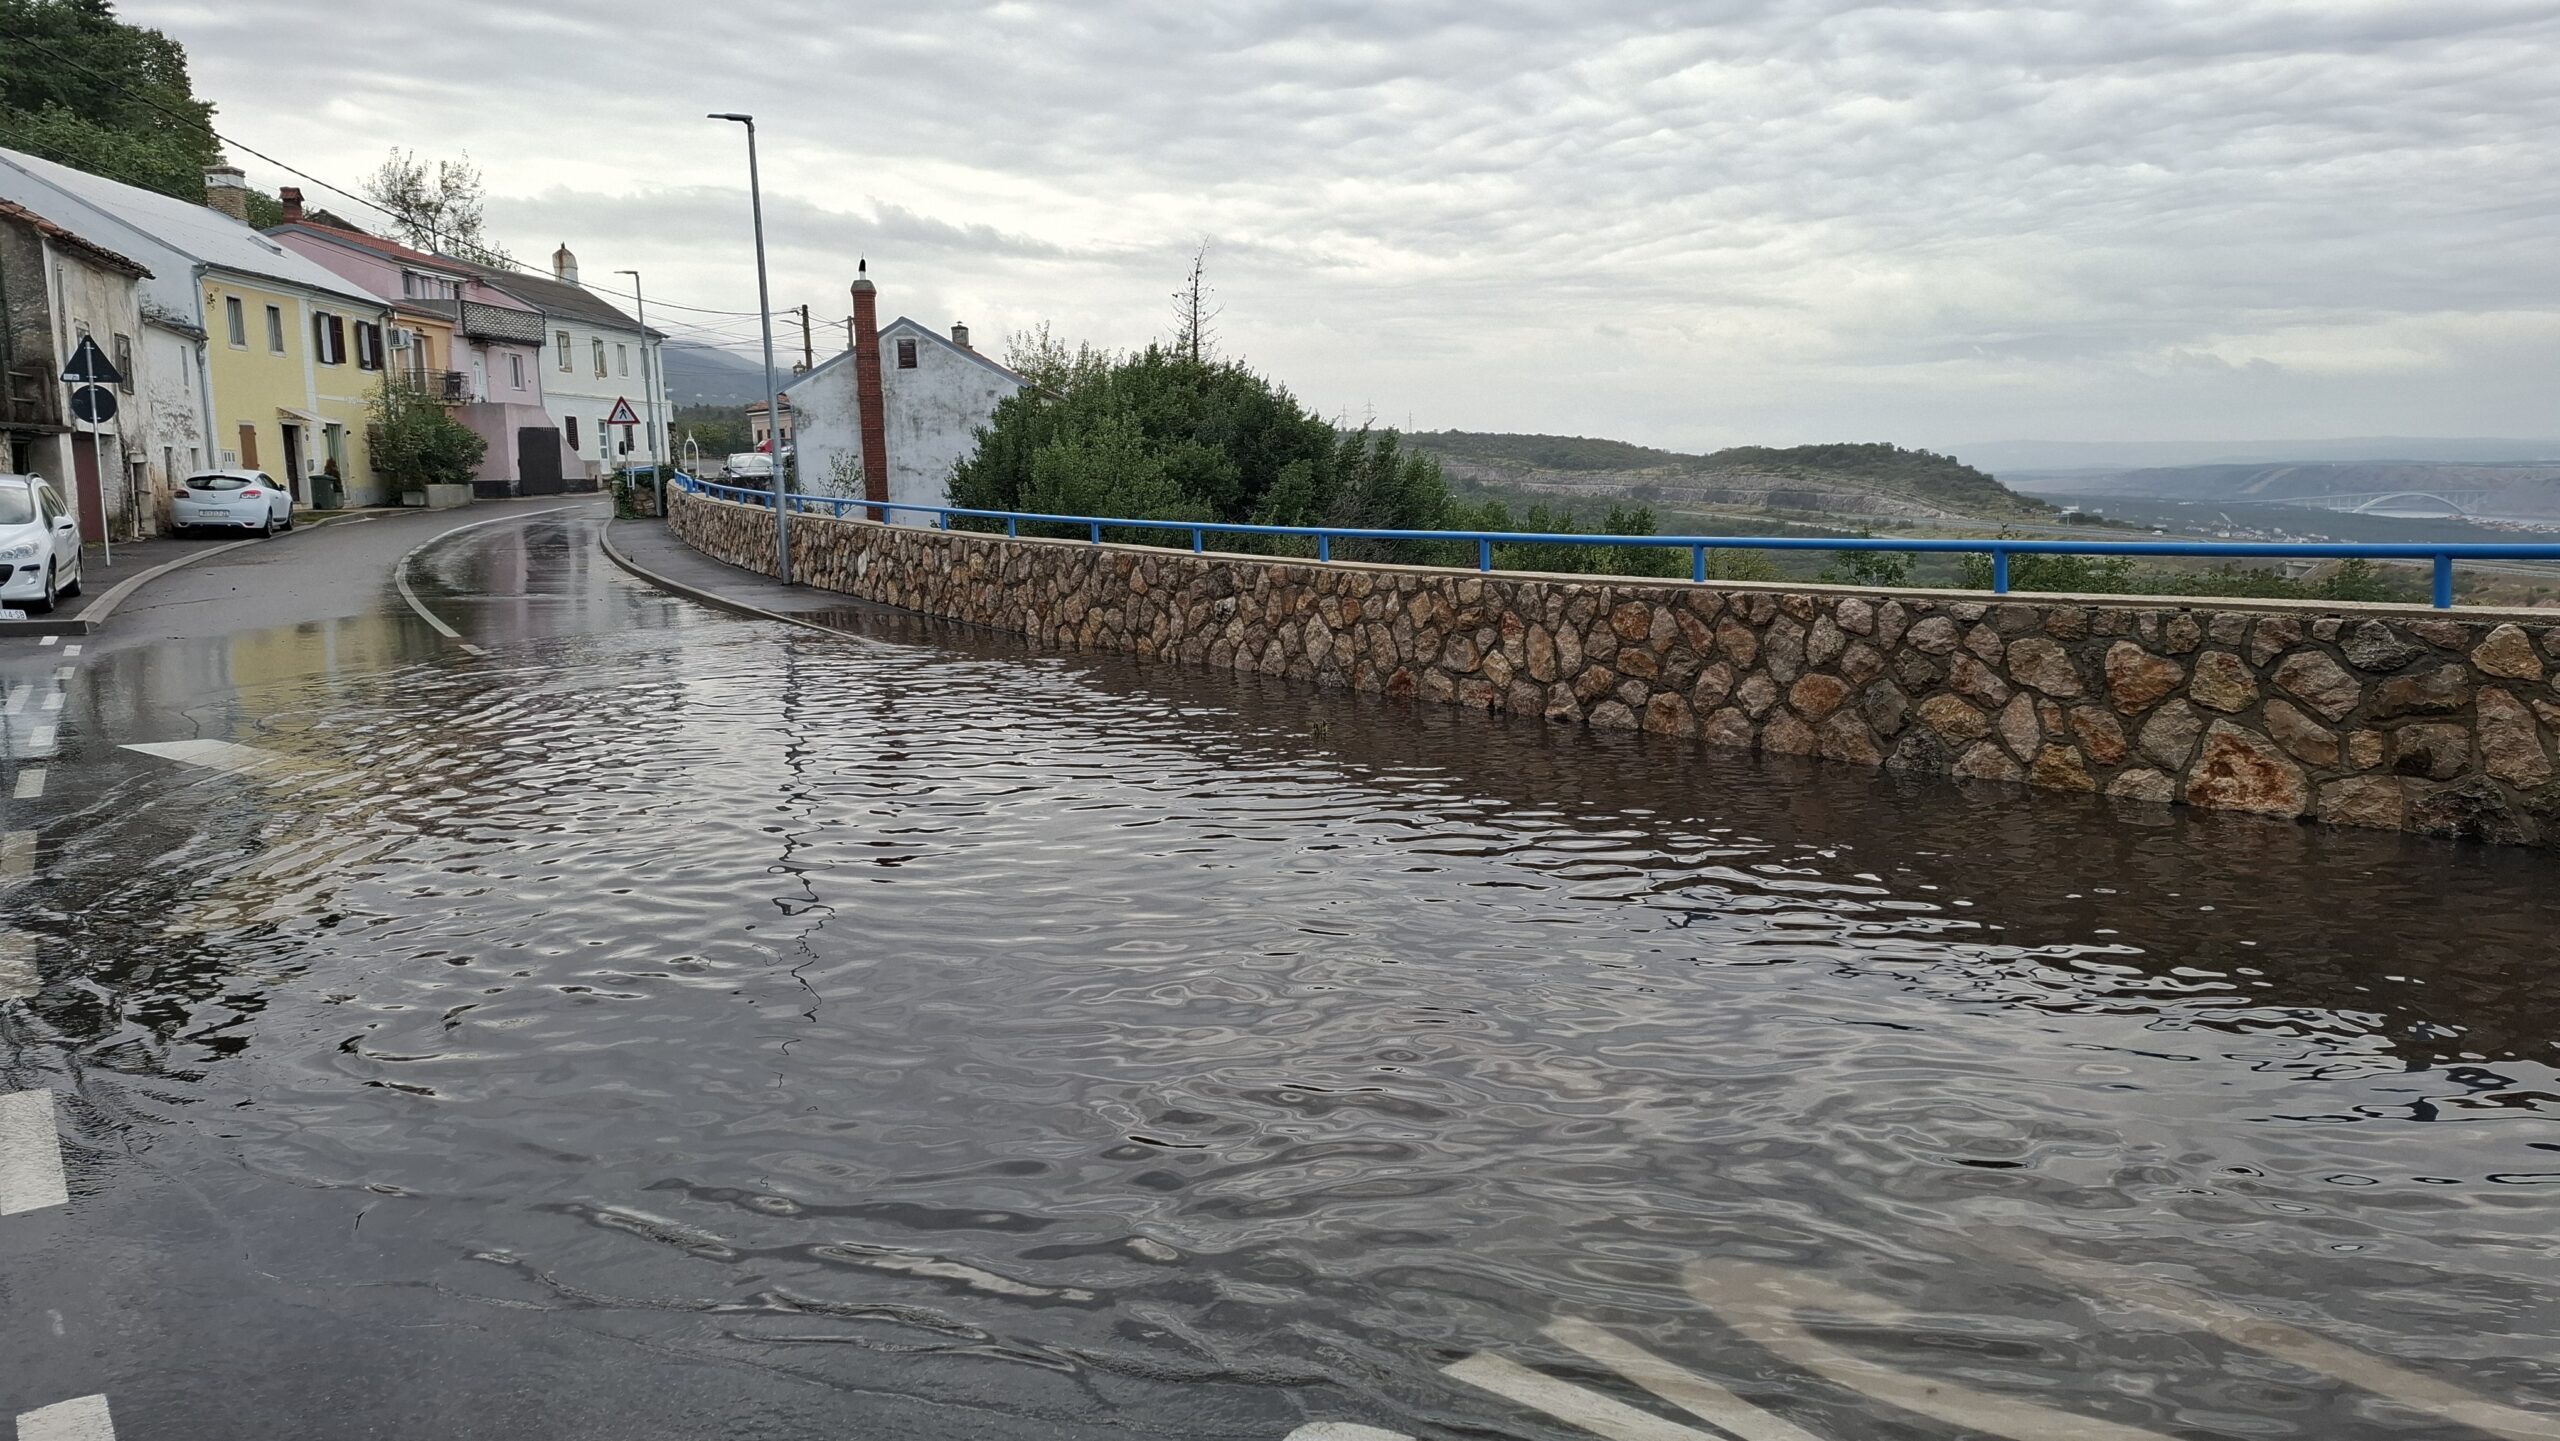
[731,115]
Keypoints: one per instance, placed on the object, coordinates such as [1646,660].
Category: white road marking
[18,695]
[40,740]
[2286,1343]
[17,855]
[1343,1431]
[226,756]
[400,572]
[1690,1392]
[65,672]
[49,640]
[19,977]
[1593,1412]
[30,1155]
[71,649]
[53,699]
[82,1419]
[1764,1304]
[30,784]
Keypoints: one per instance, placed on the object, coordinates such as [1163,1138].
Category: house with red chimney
[891,418]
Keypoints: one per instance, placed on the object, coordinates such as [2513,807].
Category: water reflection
[1083,1034]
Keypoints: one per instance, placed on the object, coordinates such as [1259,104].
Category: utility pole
[808,352]
[646,372]
[848,334]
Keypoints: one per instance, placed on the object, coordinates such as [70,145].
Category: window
[622,360]
[368,346]
[239,325]
[328,338]
[275,330]
[571,421]
[599,346]
[566,359]
[248,447]
[906,355]
[515,369]
[124,363]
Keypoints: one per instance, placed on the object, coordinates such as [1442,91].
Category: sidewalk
[647,549]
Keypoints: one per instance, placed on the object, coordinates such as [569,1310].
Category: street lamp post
[772,389]
[648,373]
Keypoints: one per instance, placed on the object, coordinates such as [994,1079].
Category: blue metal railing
[2442,556]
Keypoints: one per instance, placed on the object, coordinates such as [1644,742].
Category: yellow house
[292,353]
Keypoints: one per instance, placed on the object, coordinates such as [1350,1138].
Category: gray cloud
[1688,224]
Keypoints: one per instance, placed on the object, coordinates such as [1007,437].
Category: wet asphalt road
[619,1019]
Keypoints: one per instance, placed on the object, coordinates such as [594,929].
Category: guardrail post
[1097,532]
[1012,530]
[1195,540]
[1697,565]
[1484,555]
[2444,582]
[1999,571]
[1324,548]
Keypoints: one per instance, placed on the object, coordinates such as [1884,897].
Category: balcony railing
[452,387]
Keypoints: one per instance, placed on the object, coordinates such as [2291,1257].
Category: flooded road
[664,1024]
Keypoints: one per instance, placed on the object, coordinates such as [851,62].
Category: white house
[594,356]
[892,417]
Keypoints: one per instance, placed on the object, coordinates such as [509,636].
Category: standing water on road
[667,1017]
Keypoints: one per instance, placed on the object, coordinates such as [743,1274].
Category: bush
[416,443]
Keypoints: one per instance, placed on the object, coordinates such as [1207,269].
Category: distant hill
[2005,456]
[701,375]
[2520,491]
[1880,481]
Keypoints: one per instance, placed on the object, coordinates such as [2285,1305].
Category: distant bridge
[2461,502]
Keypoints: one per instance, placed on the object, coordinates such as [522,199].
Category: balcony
[452,387]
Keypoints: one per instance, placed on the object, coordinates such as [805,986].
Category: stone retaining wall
[2362,716]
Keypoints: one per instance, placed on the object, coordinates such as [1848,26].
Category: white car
[747,465]
[232,500]
[39,544]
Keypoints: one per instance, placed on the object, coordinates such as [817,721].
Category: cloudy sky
[1691,225]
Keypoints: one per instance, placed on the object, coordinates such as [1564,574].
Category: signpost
[91,375]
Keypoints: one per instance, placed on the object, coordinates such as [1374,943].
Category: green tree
[416,443]
[81,87]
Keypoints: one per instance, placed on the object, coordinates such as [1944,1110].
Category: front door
[293,462]
[538,460]
[84,476]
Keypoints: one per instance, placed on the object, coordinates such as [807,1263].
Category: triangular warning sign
[90,366]
[622,413]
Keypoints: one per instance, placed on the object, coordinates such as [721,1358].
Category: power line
[376,206]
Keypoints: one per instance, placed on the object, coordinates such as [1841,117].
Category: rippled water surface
[1068,1041]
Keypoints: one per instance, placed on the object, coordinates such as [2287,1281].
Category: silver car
[232,500]
[39,544]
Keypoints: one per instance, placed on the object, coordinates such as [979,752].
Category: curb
[604,538]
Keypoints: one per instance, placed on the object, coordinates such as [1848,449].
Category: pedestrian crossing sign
[623,414]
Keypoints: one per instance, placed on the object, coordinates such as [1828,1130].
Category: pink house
[475,348]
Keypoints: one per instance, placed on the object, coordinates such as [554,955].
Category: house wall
[2360,716]
[578,392]
[174,437]
[931,413]
[253,385]
[90,299]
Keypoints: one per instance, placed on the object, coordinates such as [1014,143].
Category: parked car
[39,544]
[747,465]
[232,500]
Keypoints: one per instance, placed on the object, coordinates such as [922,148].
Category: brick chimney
[866,386]
[960,334]
[291,196]
[226,189]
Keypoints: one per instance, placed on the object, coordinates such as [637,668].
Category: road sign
[623,414]
[90,366]
[94,404]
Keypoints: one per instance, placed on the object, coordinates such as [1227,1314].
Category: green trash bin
[326,492]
